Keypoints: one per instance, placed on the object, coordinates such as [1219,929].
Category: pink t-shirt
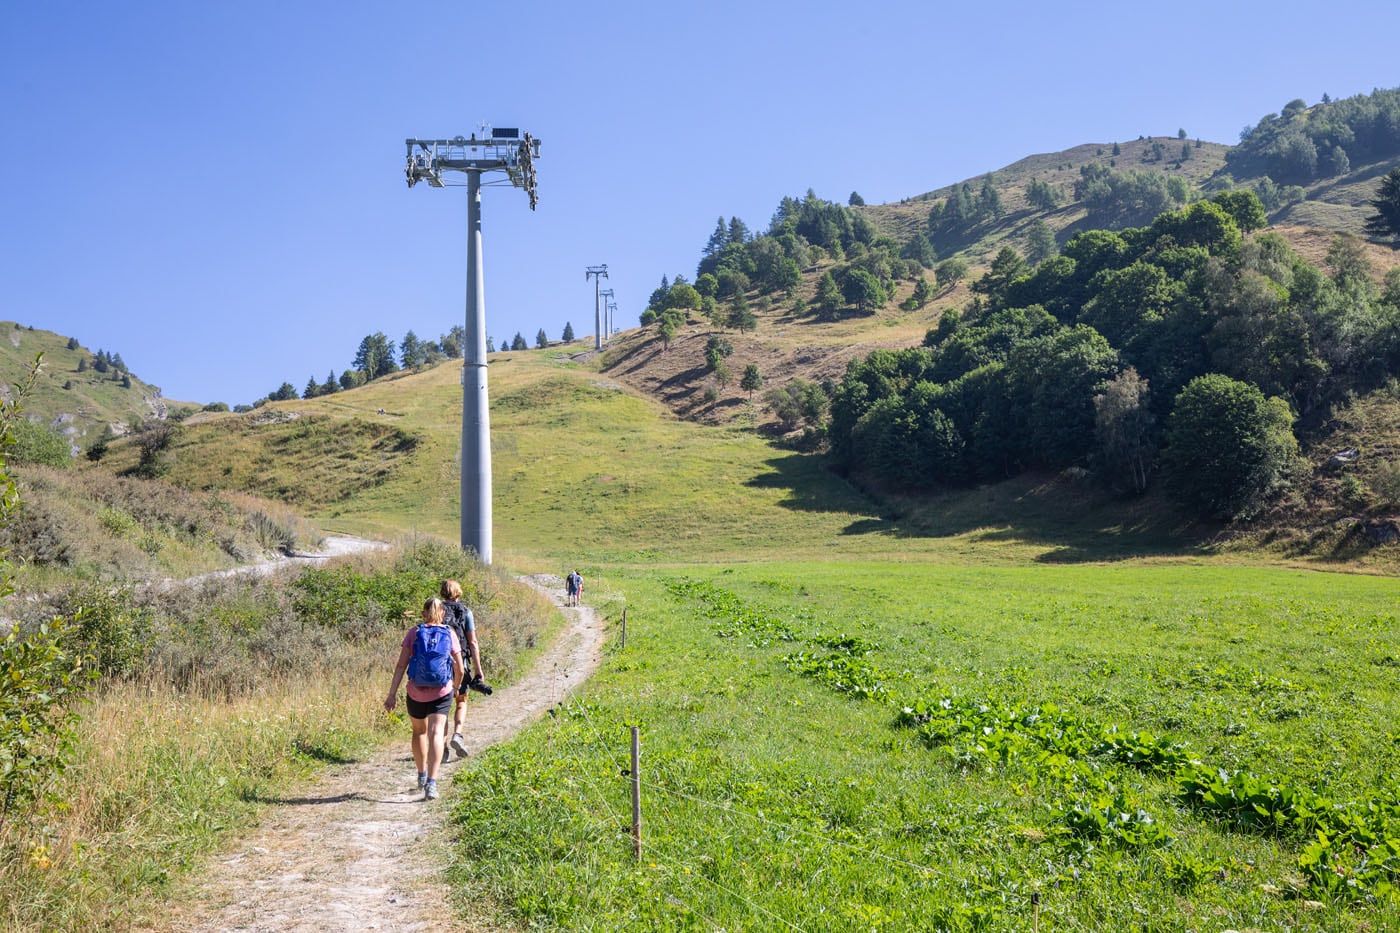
[428,694]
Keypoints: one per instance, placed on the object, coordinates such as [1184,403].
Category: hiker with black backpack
[459,618]
[432,657]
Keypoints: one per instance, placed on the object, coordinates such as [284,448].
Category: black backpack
[456,618]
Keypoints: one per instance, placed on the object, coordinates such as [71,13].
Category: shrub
[153,441]
[798,403]
[38,443]
[1229,449]
[38,678]
[108,630]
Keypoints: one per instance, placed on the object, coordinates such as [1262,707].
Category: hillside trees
[453,343]
[863,290]
[922,295]
[1228,447]
[411,351]
[718,239]
[920,250]
[375,356]
[752,380]
[1285,146]
[1050,366]
[1123,431]
[950,272]
[568,335]
[717,349]
[1041,243]
[1385,222]
[1115,198]
[1244,208]
[1042,195]
[518,342]
[989,200]
[829,297]
[799,403]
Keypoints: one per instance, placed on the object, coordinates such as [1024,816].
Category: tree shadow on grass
[1074,522]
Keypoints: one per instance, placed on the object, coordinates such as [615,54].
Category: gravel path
[353,850]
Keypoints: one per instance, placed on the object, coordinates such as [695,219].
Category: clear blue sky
[215,190]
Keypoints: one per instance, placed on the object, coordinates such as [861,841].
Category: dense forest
[1187,346]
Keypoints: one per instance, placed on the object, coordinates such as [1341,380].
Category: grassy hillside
[587,468]
[81,405]
[85,524]
[1060,169]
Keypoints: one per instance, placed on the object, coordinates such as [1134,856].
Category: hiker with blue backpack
[432,657]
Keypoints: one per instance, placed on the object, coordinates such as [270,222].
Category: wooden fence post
[624,628]
[636,795]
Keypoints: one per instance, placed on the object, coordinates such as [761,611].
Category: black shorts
[422,710]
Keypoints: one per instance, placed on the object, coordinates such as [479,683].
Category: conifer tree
[313,388]
[568,335]
[828,294]
[541,339]
[1385,222]
[718,239]
[988,200]
[519,342]
[923,291]
[411,351]
[1042,242]
[752,379]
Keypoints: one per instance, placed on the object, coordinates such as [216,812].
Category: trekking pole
[636,796]
[624,628]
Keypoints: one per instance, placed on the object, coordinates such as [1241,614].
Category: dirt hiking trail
[354,851]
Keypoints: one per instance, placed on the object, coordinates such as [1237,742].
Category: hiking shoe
[430,790]
[422,779]
[459,744]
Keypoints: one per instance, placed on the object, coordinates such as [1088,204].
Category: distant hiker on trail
[460,619]
[573,586]
[432,656]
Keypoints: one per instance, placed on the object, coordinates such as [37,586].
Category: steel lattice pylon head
[503,150]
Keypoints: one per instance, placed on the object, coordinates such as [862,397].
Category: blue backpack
[431,664]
